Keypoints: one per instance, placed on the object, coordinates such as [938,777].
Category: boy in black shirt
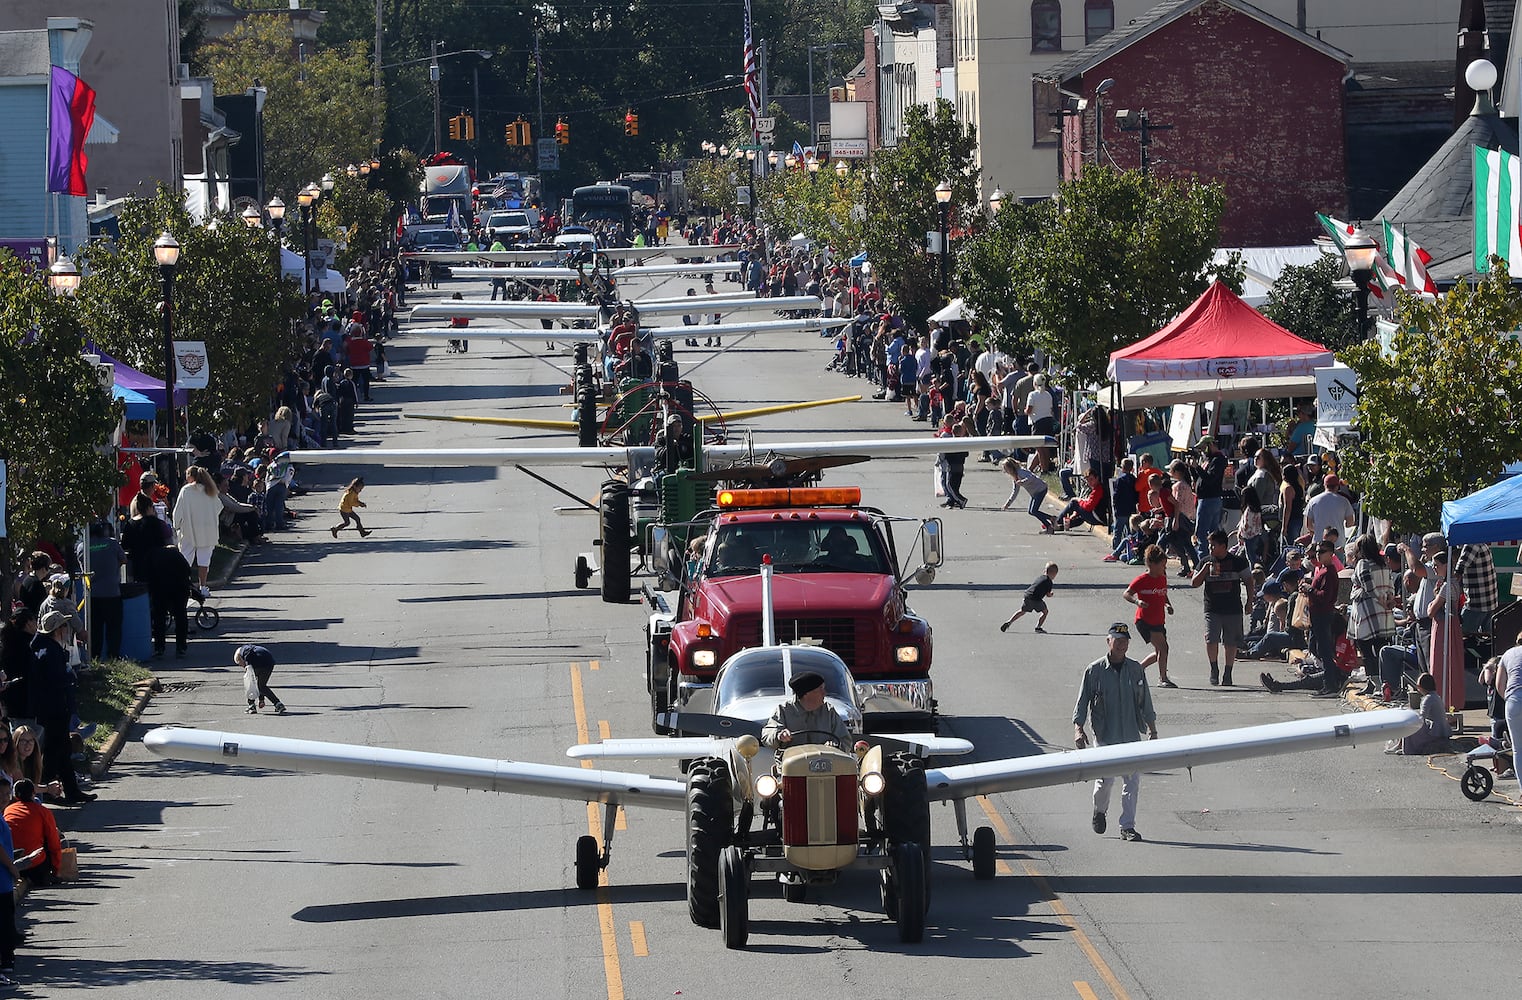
[1035,599]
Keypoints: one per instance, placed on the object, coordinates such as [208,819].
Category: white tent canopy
[954,310]
[293,266]
[1136,395]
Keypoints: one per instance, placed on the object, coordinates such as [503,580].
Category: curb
[119,736]
[231,569]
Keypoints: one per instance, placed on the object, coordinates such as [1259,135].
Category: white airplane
[954,783]
[571,274]
[588,336]
[559,252]
[570,312]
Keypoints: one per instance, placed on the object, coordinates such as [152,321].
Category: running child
[1149,592]
[346,509]
[1033,484]
[1035,599]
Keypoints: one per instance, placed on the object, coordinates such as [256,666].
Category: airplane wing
[739,329]
[959,781]
[592,458]
[699,304]
[496,256]
[532,423]
[669,250]
[527,334]
[567,311]
[880,447]
[764,411]
[552,273]
[671,270]
[555,781]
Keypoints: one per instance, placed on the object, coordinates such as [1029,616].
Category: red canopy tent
[1218,337]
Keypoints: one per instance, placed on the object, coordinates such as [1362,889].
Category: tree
[1439,413]
[1112,260]
[55,415]
[899,198]
[321,112]
[227,293]
[353,215]
[1305,301]
[822,206]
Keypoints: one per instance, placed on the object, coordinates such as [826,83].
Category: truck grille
[840,636]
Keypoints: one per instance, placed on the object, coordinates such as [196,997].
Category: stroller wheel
[1476,783]
[207,618]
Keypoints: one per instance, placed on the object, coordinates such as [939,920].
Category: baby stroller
[1478,780]
[205,616]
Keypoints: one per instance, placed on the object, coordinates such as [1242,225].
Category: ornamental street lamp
[307,200]
[996,201]
[251,217]
[166,252]
[841,169]
[943,202]
[1360,252]
[63,277]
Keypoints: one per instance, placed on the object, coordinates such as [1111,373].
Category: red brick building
[1253,103]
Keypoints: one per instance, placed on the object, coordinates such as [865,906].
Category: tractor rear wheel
[734,898]
[910,879]
[617,542]
[710,826]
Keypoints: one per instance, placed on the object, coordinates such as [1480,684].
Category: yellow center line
[637,938]
[1085,990]
[612,971]
[1058,907]
[603,732]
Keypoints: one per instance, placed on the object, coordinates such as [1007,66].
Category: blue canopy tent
[1494,514]
[139,407]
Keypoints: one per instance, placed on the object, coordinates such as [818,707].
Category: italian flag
[1409,261]
[1497,208]
[1385,279]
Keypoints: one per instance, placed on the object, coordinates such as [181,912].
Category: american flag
[752,84]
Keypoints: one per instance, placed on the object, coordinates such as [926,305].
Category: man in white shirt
[1328,509]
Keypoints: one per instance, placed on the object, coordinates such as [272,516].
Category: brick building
[1253,103]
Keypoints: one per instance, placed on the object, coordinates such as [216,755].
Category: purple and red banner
[71,111]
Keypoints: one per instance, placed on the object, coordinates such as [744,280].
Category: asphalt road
[456,627]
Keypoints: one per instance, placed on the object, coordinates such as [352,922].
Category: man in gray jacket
[807,718]
[1116,698]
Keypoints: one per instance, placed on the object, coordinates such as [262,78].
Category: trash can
[137,631]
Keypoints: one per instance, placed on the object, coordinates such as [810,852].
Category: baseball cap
[1119,630]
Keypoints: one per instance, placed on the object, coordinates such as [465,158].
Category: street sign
[768,137]
[767,123]
[823,128]
[677,177]
[549,154]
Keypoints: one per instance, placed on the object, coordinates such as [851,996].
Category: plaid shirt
[1477,570]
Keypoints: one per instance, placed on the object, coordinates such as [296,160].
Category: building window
[1046,26]
[1098,19]
[1046,102]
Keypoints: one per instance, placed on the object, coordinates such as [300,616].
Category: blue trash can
[137,631]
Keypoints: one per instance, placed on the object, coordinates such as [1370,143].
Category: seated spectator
[1278,635]
[1083,510]
[1435,732]
[28,761]
[32,827]
[9,875]
[1327,681]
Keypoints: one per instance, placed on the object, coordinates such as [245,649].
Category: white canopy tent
[1171,392]
[954,310]
[293,266]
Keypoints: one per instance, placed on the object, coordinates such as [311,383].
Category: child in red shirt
[1149,592]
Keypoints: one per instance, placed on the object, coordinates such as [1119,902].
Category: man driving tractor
[807,717]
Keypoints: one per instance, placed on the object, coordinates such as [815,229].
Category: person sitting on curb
[34,832]
[1435,733]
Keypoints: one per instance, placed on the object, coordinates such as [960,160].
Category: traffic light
[457,127]
[562,133]
[469,121]
[525,135]
[631,124]
[512,133]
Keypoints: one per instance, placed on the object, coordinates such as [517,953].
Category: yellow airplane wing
[529,422]
[761,411]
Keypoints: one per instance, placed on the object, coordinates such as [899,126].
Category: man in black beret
[807,718]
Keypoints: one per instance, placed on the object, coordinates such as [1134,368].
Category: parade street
[456,627]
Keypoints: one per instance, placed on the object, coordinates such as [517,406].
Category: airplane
[876,827]
[557,252]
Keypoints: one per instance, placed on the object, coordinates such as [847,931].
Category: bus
[610,203]
[647,190]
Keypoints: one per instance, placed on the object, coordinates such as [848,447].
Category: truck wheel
[1476,783]
[588,862]
[734,898]
[906,807]
[583,572]
[909,877]
[617,542]
[710,823]
[983,861]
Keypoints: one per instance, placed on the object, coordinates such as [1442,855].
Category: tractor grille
[846,637]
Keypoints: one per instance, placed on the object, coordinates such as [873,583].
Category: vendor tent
[1218,337]
[1494,514]
[293,266]
[1171,392]
[139,407]
[954,310]
[145,385]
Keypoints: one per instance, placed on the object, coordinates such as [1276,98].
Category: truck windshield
[797,547]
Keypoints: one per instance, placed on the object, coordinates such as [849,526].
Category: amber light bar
[844,496]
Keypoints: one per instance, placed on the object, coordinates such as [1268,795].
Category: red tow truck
[837,583]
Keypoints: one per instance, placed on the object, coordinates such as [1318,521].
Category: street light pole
[305,200]
[166,252]
[943,202]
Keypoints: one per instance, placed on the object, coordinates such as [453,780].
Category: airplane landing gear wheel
[1477,783]
[710,822]
[588,862]
[583,572]
[794,892]
[734,898]
[983,861]
[888,893]
[909,879]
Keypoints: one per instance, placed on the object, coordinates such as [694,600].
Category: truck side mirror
[660,555]
[931,553]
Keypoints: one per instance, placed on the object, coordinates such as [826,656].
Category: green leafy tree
[55,415]
[1111,261]
[321,113]
[355,216]
[899,199]
[826,208]
[1306,301]
[227,293]
[1439,413]
[709,184]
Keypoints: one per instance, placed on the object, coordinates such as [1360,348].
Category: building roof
[1160,17]
[24,53]
[1437,205]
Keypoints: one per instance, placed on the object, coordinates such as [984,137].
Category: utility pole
[475,143]
[539,78]
[379,40]
[761,83]
[438,120]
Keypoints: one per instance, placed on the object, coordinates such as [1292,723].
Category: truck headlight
[872,783]
[766,786]
[705,658]
[906,654]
